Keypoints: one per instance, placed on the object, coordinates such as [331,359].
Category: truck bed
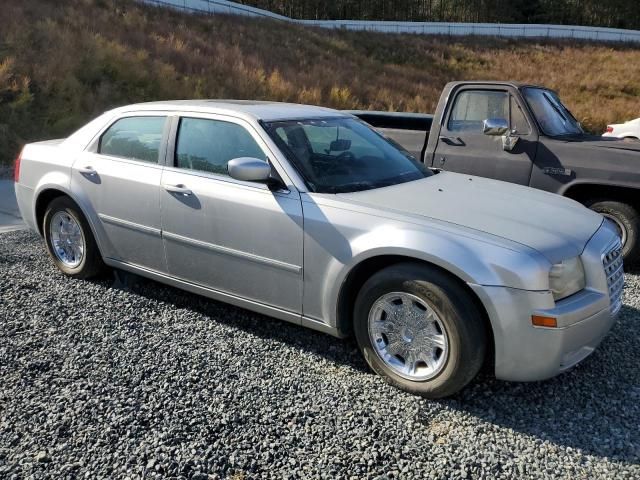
[410,130]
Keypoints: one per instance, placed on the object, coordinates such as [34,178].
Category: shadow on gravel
[604,421]
[343,351]
[594,407]
[632,269]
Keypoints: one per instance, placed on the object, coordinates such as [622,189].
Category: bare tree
[613,13]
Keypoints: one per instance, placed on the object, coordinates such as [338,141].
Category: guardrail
[213,7]
[489,29]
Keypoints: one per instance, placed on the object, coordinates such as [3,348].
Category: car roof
[248,109]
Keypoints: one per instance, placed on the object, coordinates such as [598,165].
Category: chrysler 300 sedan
[308,215]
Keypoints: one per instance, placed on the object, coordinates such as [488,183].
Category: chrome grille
[613,268]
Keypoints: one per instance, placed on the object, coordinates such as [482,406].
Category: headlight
[566,278]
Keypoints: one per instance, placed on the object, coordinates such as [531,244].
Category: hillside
[62,64]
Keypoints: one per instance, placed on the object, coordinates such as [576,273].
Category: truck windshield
[553,117]
[339,155]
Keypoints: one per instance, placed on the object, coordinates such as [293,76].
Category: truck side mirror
[495,127]
[509,142]
[499,127]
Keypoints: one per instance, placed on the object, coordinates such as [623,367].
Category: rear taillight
[16,170]
[609,129]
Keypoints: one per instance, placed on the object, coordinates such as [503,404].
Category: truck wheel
[69,240]
[627,221]
[420,330]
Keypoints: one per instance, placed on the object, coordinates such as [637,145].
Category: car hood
[555,226]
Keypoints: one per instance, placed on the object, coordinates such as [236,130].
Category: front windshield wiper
[360,186]
[349,187]
[556,108]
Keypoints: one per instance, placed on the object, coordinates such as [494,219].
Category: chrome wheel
[622,230]
[408,336]
[67,240]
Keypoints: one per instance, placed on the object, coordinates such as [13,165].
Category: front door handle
[88,170]
[179,189]
[450,140]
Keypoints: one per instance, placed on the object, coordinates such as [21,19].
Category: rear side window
[136,138]
[472,107]
[208,145]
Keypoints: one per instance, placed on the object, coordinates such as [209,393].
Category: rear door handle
[88,170]
[179,189]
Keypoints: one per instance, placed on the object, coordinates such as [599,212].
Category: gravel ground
[97,382]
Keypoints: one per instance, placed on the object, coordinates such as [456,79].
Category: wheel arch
[44,198]
[584,192]
[46,195]
[359,274]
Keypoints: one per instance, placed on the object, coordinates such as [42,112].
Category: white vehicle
[630,129]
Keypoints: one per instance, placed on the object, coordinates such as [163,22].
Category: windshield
[338,155]
[553,117]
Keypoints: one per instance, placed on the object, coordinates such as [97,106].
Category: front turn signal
[540,321]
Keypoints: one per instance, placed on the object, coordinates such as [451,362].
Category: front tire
[419,329]
[627,221]
[69,240]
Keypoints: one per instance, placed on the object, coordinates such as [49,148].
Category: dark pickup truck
[523,134]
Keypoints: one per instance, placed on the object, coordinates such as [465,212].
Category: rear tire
[627,220]
[69,240]
[440,326]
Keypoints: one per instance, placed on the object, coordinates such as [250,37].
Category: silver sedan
[308,215]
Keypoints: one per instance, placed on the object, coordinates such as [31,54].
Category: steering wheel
[346,156]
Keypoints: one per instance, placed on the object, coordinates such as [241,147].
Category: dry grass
[62,63]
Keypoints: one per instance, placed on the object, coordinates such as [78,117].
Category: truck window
[519,124]
[472,107]
[552,116]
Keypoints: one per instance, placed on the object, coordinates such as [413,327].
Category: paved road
[9,215]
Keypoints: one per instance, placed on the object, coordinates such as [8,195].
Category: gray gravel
[97,382]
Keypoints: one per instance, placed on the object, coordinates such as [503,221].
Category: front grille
[613,268]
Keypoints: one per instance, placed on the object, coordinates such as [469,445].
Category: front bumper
[524,352]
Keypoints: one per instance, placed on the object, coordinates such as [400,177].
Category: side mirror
[249,169]
[495,127]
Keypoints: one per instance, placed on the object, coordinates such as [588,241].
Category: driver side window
[472,107]
[208,145]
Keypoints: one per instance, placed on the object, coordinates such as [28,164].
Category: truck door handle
[179,189]
[450,140]
[88,170]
